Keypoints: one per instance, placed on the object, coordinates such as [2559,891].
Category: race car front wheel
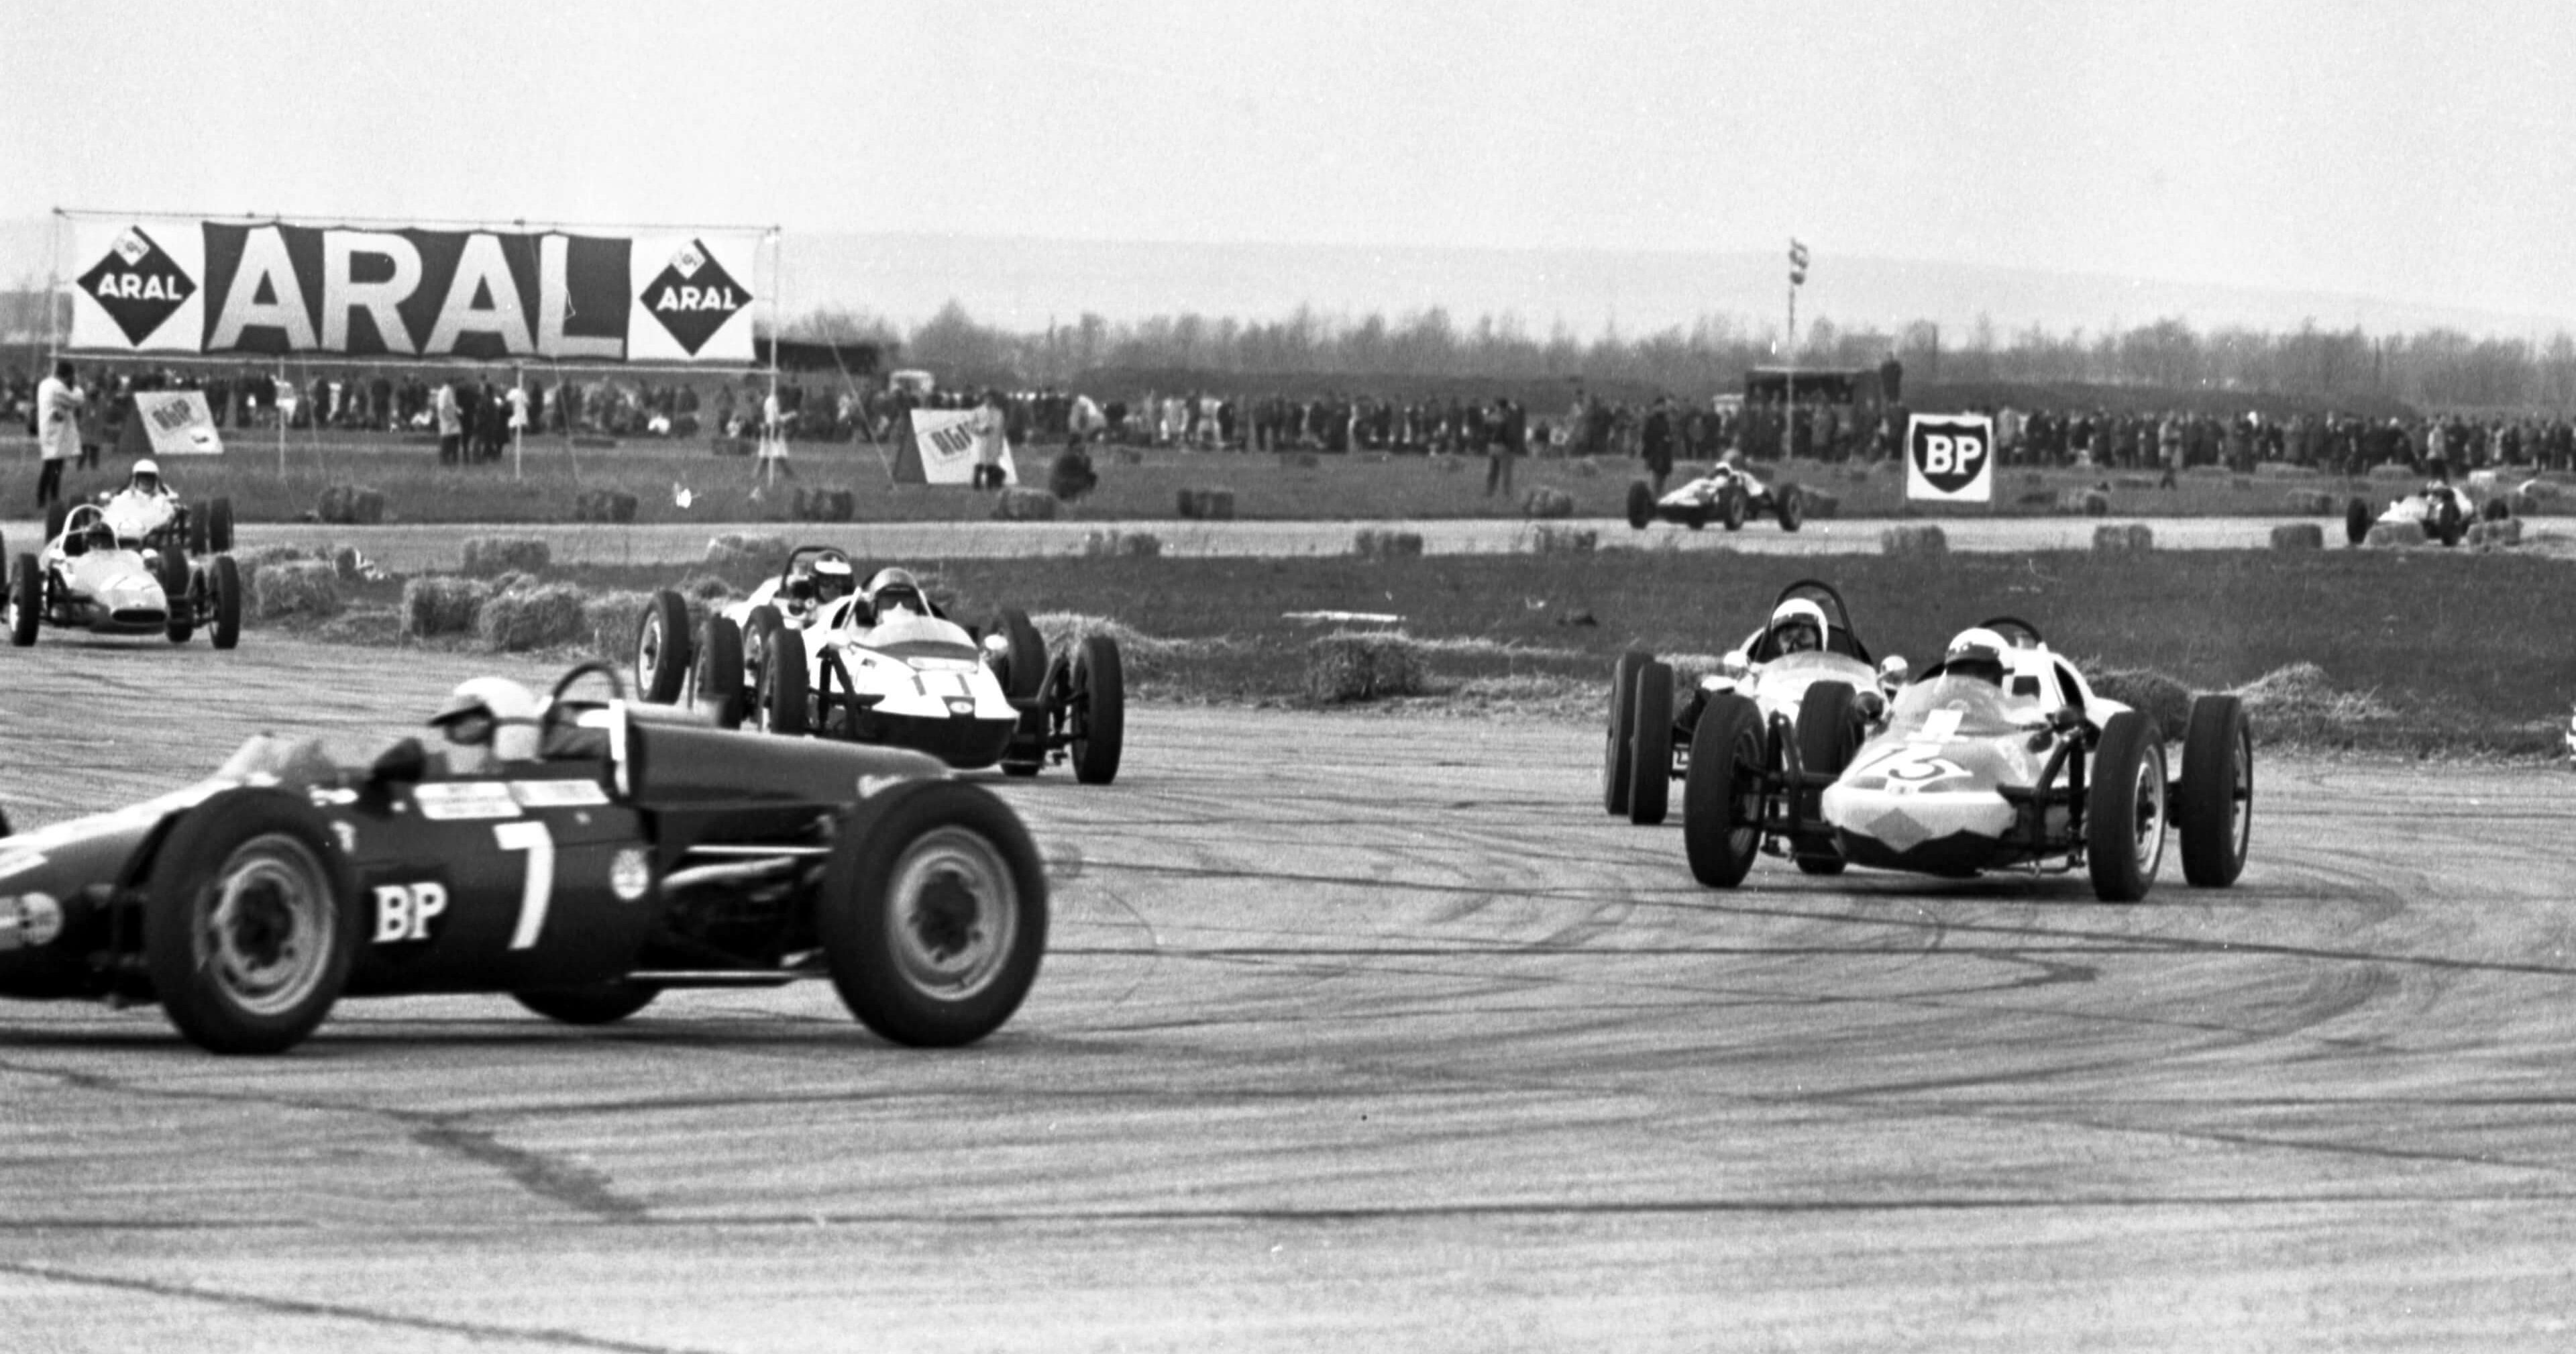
[1099,710]
[225,579]
[662,648]
[717,675]
[250,923]
[2215,809]
[1722,793]
[783,706]
[2124,810]
[1650,758]
[933,913]
[26,601]
[1614,753]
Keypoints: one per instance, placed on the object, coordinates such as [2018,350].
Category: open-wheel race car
[145,516]
[807,654]
[87,577]
[2000,757]
[2441,508]
[591,855]
[1726,495]
[1808,679]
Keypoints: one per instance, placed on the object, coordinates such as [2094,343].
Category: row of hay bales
[1207,504]
[1114,544]
[295,580]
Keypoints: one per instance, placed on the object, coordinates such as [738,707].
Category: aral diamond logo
[694,296]
[138,285]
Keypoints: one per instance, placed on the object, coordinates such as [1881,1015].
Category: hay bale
[2161,697]
[350,505]
[251,560]
[2501,532]
[533,618]
[296,587]
[2241,482]
[1377,543]
[2298,536]
[1024,505]
[2286,468]
[441,604]
[1546,502]
[487,555]
[608,622]
[604,505]
[2394,535]
[1207,504]
[1819,504]
[2537,491]
[2393,470]
[2312,503]
[1914,541]
[1355,665]
[1114,544]
[734,549]
[2123,538]
[825,505]
[1548,540]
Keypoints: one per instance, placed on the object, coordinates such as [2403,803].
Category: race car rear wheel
[1650,756]
[1791,505]
[1641,504]
[783,705]
[198,513]
[934,914]
[597,1004]
[225,583]
[762,622]
[178,582]
[1614,751]
[1099,710]
[1731,508]
[219,525]
[26,601]
[717,674]
[2356,522]
[2124,810]
[249,923]
[1024,657]
[2216,806]
[1722,794]
[662,648]
[1828,735]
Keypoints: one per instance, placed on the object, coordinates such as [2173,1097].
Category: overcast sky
[2413,151]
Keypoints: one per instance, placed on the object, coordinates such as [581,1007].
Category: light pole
[1789,384]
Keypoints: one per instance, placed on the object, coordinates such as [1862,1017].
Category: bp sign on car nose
[1949,458]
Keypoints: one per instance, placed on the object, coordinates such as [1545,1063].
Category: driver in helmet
[145,482]
[1797,626]
[1978,653]
[487,721]
[892,588]
[819,582]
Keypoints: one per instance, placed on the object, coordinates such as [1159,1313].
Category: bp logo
[694,296]
[137,284]
[1949,457]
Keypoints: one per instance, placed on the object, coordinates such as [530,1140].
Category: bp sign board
[1949,458]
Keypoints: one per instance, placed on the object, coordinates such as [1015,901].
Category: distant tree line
[2433,368]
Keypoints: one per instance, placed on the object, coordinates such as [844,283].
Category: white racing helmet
[1795,614]
[494,711]
[897,587]
[1976,652]
[146,477]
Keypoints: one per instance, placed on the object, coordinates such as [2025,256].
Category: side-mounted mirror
[1894,672]
[405,763]
[1736,664]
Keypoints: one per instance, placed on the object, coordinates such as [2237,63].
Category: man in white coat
[58,403]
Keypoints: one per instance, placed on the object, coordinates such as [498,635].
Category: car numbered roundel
[1912,768]
[1950,457]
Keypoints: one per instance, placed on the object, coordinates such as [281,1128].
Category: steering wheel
[561,712]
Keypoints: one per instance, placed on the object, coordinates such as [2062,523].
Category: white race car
[804,653]
[2443,509]
[146,514]
[1727,495]
[1807,646]
[86,579]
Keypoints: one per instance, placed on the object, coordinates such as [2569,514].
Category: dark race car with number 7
[633,851]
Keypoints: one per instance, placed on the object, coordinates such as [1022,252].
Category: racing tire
[603,1003]
[1099,710]
[55,514]
[1641,504]
[758,627]
[1791,505]
[1024,661]
[1828,735]
[934,914]
[717,672]
[1722,794]
[2215,803]
[1730,509]
[219,526]
[2356,522]
[662,648]
[1650,759]
[250,922]
[178,593]
[2494,510]
[225,583]
[2124,809]
[784,695]
[1623,723]
[197,532]
[26,601]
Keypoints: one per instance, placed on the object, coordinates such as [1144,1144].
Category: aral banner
[214,288]
[1949,458]
[170,423]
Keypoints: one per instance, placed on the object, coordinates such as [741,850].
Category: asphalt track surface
[413,548]
[1361,1032]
